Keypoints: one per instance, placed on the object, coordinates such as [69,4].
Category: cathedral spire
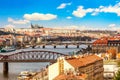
[32,25]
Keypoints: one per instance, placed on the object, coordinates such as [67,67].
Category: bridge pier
[66,46]
[54,46]
[43,46]
[77,46]
[5,68]
[33,46]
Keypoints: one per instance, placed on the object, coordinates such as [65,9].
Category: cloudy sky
[82,14]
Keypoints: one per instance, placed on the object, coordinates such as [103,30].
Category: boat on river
[25,75]
[8,49]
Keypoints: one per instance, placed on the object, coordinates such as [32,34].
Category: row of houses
[107,45]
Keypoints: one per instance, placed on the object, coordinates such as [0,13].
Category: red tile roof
[104,40]
[83,61]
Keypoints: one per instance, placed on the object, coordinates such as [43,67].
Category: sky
[81,14]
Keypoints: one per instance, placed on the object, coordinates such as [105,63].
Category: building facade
[102,45]
[90,65]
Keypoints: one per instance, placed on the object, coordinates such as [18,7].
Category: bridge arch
[31,56]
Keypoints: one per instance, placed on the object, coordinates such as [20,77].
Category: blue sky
[82,14]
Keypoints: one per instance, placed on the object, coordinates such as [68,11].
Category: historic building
[102,45]
[115,44]
[79,67]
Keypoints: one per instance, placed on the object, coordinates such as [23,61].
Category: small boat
[8,49]
[25,75]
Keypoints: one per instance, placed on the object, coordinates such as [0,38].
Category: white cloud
[63,5]
[39,16]
[95,11]
[80,12]
[69,17]
[18,21]
[108,9]
[111,9]
[112,25]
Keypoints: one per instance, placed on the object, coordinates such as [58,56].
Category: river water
[16,68]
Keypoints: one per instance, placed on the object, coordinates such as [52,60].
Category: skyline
[82,14]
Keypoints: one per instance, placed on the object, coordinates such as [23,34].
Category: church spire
[32,25]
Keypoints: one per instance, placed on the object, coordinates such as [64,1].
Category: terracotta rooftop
[83,61]
[101,41]
[105,40]
[2,40]
[19,36]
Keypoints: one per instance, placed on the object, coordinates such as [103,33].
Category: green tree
[118,63]
[117,75]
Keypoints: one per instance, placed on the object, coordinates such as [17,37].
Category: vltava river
[16,68]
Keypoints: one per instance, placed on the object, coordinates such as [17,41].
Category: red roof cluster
[104,40]
[2,40]
[83,61]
